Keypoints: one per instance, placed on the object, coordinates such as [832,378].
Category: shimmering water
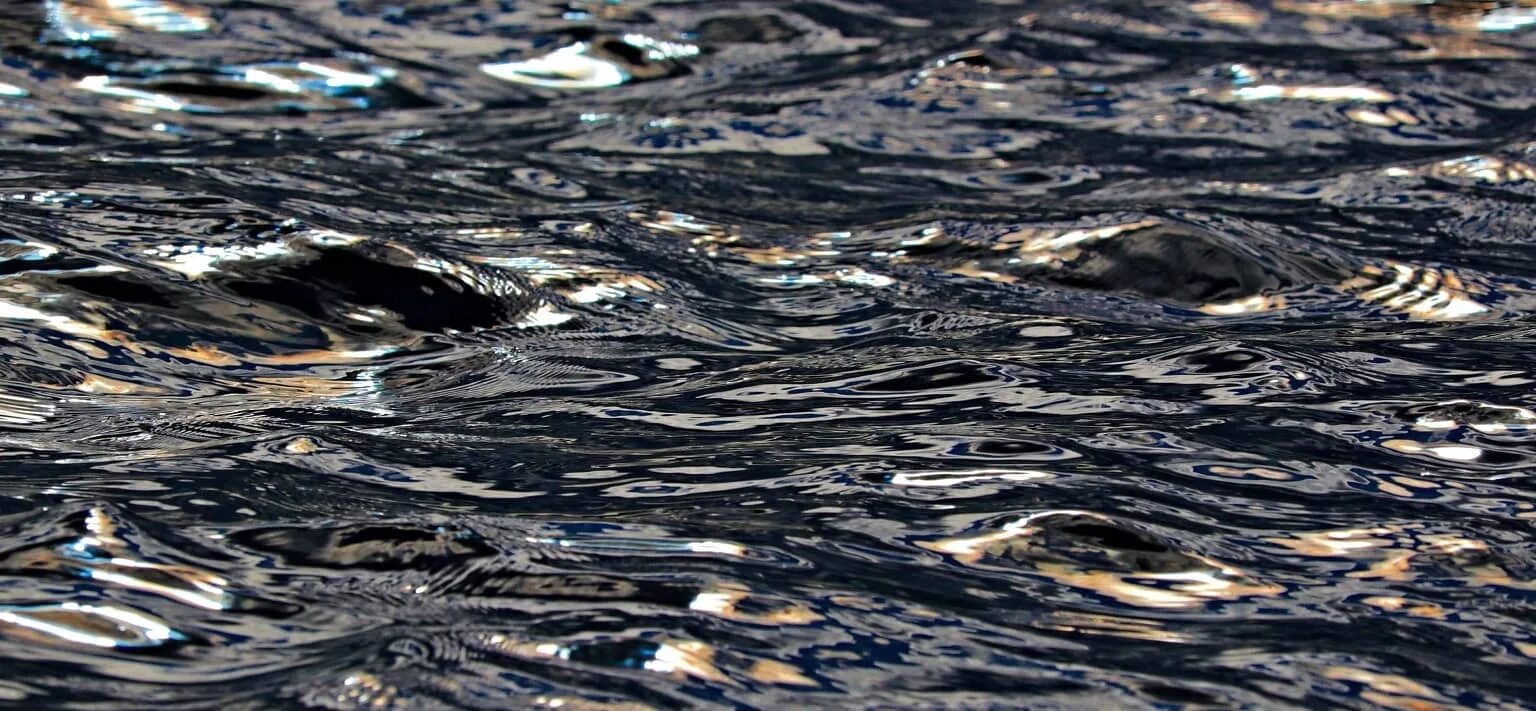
[626,354]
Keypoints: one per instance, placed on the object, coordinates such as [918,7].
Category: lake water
[747,354]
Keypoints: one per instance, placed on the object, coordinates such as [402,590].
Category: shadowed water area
[745,354]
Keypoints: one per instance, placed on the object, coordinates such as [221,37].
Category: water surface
[625,354]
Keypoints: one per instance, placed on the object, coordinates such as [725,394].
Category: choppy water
[767,354]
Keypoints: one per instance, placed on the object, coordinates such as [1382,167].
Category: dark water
[767,354]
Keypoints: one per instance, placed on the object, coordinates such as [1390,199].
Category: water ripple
[600,354]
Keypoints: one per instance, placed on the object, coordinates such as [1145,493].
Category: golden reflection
[491,233]
[778,256]
[1391,691]
[365,690]
[770,671]
[579,283]
[1462,28]
[1054,246]
[1146,574]
[726,600]
[287,386]
[104,626]
[215,356]
[1456,46]
[1349,9]
[1229,12]
[1404,486]
[91,20]
[609,287]
[301,445]
[101,385]
[1106,625]
[1421,292]
[1490,170]
[103,557]
[677,659]
[1404,553]
[1394,604]
[89,350]
[1337,543]
[1418,292]
[1247,473]
[1258,303]
[682,224]
[1448,452]
[1385,118]
[1179,589]
[1455,14]
[974,270]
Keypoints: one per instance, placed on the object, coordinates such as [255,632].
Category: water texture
[643,354]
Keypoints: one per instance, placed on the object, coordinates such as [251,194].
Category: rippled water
[623,354]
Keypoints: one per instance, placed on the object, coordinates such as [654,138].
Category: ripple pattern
[633,354]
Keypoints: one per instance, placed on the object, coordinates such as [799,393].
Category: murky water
[626,354]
